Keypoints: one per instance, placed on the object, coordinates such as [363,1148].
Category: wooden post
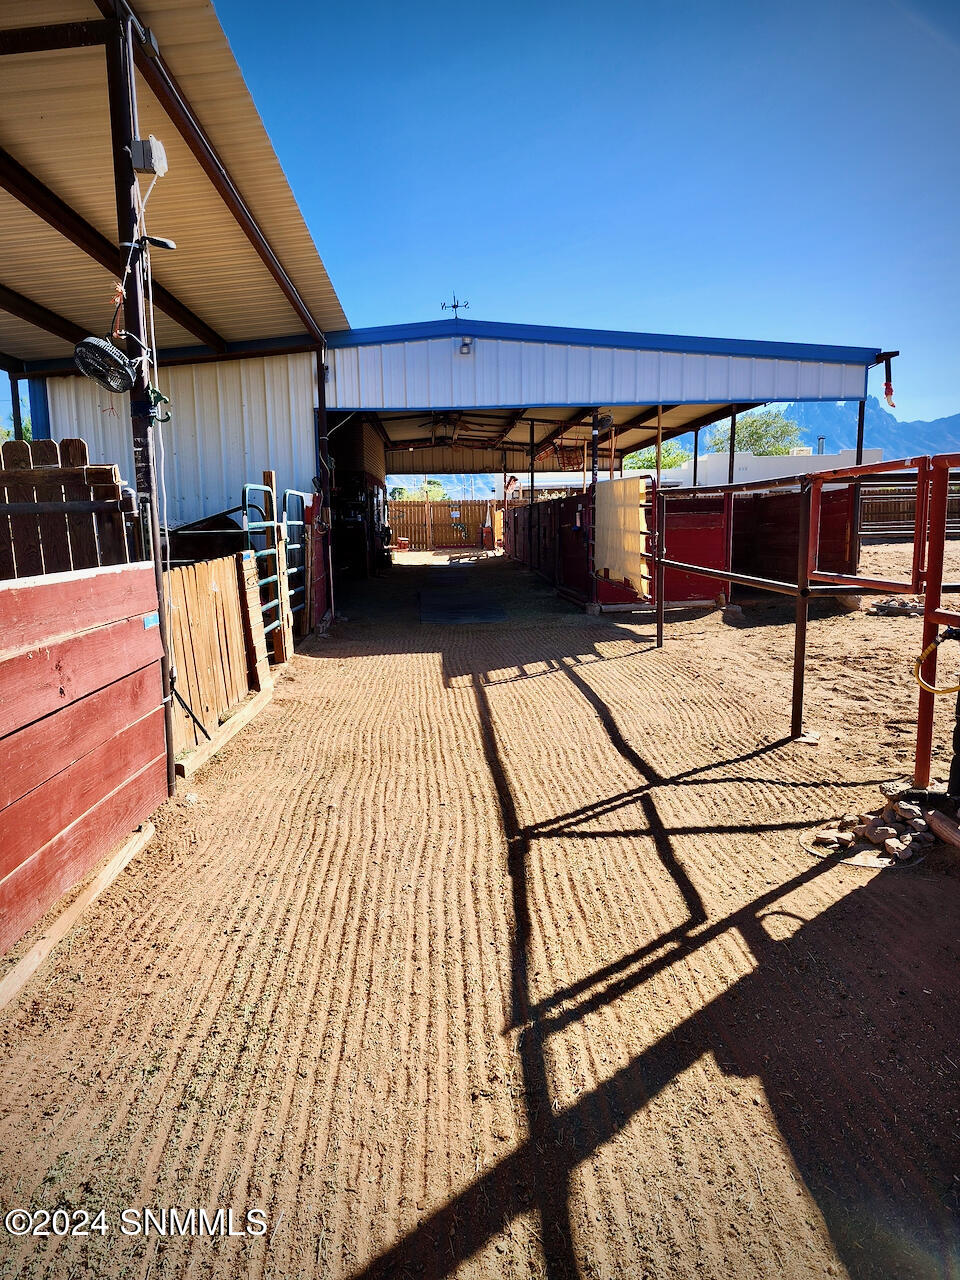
[258,666]
[121,95]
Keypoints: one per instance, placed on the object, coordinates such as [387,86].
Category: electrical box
[149,156]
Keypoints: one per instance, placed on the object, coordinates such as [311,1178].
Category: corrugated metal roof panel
[56,124]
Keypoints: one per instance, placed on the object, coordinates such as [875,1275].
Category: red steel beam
[939,487]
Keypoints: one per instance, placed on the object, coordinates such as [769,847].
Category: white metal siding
[432,374]
[232,420]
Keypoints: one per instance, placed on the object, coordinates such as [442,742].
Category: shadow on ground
[849,1051]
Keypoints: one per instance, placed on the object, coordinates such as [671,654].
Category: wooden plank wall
[81,729]
[48,471]
[430,525]
[210,620]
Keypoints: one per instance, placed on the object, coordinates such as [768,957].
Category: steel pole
[804,552]
[121,94]
[15,403]
[530,504]
[733,446]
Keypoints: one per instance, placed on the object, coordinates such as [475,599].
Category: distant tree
[429,488]
[672,454]
[764,432]
[6,430]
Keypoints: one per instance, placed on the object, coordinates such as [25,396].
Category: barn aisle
[489,949]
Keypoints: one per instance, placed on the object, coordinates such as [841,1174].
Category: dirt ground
[490,950]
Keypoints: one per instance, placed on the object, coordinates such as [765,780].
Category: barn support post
[15,402]
[861,406]
[660,509]
[594,471]
[659,442]
[804,551]
[326,480]
[121,96]
[696,454]
[733,446]
[530,504]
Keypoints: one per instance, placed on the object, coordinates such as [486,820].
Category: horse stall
[598,548]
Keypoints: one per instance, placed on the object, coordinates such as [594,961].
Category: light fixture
[466,346]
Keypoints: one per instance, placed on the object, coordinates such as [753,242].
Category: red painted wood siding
[81,729]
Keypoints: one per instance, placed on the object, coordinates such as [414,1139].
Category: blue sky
[739,169]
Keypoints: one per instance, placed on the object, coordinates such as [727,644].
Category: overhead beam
[59,35]
[149,62]
[40,317]
[638,420]
[562,427]
[511,423]
[39,199]
[11,365]
[670,433]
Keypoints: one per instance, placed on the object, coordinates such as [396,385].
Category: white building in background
[713,468]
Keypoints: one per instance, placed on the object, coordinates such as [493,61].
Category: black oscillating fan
[105,363]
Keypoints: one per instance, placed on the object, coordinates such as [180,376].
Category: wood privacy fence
[891,509]
[58,513]
[81,729]
[219,651]
[447,523]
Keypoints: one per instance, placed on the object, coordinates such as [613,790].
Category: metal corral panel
[232,420]
[433,374]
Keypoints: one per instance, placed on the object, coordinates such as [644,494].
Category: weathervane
[455,306]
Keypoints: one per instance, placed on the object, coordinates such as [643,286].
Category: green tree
[6,430]
[672,454]
[763,432]
[429,488]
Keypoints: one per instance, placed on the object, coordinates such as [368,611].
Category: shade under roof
[55,123]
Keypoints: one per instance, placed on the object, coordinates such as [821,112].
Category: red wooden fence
[81,729]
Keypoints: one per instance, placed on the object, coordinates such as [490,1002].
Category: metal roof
[466,327]
[56,125]
[463,395]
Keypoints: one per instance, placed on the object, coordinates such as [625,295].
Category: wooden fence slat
[44,453]
[7,564]
[54,533]
[25,529]
[210,644]
[74,452]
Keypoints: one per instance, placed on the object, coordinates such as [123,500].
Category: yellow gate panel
[622,532]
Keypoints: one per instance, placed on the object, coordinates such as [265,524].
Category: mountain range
[837,422]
